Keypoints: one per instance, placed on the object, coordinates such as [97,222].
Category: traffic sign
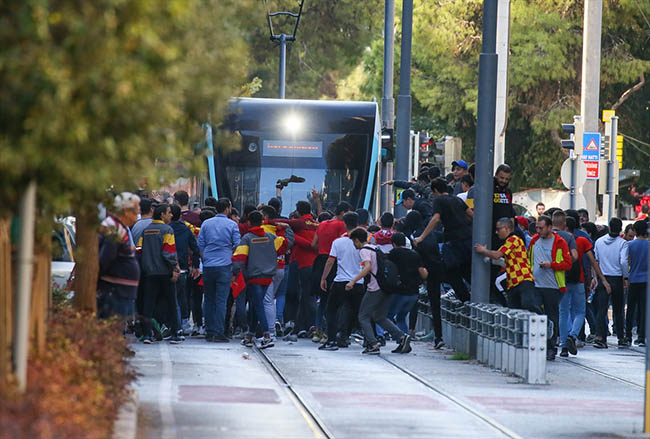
[580,175]
[607,115]
[591,146]
[593,168]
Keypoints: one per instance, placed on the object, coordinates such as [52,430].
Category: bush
[76,386]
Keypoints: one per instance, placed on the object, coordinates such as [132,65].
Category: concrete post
[387,101]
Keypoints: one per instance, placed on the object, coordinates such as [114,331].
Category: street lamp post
[283,39]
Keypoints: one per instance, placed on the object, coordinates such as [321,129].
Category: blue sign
[591,146]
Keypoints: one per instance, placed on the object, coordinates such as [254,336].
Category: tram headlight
[293,124]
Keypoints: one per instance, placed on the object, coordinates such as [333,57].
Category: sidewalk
[199,389]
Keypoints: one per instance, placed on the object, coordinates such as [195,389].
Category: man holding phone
[549,257]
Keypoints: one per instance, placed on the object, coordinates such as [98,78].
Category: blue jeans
[572,311]
[399,309]
[256,315]
[216,287]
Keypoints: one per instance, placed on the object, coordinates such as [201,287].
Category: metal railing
[511,340]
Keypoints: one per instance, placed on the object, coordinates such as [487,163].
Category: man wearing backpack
[377,299]
[411,273]
[348,263]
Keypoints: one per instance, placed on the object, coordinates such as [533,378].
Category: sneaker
[564,353]
[288,327]
[371,350]
[147,340]
[580,344]
[600,344]
[157,330]
[291,337]
[176,339]
[357,335]
[591,338]
[406,345]
[267,342]
[324,339]
[329,346]
[302,334]
[342,342]
[278,329]
[317,336]
[439,344]
[571,345]
[623,344]
[248,341]
[381,340]
[550,356]
[640,342]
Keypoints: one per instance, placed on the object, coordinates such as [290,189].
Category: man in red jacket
[303,256]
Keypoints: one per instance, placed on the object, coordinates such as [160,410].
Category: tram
[332,145]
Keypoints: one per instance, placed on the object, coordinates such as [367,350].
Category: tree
[544,76]
[97,94]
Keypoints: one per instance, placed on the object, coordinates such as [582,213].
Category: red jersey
[584,246]
[327,232]
[304,229]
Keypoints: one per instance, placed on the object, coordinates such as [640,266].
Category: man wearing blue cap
[459,168]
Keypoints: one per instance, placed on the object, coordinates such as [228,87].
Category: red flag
[238,285]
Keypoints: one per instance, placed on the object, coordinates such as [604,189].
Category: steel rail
[313,420]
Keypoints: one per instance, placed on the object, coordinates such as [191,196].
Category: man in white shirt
[348,265]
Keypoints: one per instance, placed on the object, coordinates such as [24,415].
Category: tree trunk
[87,268]
[6,301]
[41,292]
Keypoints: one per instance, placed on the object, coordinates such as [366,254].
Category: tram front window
[333,167]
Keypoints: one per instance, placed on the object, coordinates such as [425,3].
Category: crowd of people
[339,275]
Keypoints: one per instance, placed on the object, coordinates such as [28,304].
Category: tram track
[468,408]
[602,373]
[311,418]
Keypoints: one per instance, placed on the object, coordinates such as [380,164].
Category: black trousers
[523,296]
[340,300]
[550,300]
[460,266]
[306,301]
[433,291]
[636,298]
[602,305]
[159,294]
[196,292]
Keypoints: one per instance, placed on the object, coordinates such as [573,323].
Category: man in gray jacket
[256,256]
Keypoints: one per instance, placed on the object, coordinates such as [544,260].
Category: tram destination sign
[291,148]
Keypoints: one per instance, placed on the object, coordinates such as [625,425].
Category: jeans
[281,296]
[374,307]
[291,298]
[306,301]
[636,300]
[269,298]
[602,305]
[256,316]
[400,307]
[159,293]
[182,296]
[109,304]
[550,299]
[216,284]
[572,312]
[340,299]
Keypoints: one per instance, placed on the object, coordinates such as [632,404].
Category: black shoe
[564,353]
[303,334]
[438,344]
[406,345]
[571,345]
[371,350]
[550,356]
[400,345]
[640,342]
[342,342]
[623,344]
[176,339]
[285,181]
[248,341]
[267,342]
[599,344]
[329,346]
[278,329]
[217,338]
[381,340]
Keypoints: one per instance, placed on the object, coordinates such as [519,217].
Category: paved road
[198,389]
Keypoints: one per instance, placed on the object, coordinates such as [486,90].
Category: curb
[126,424]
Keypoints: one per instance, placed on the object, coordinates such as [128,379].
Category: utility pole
[612,167]
[387,101]
[404,101]
[487,84]
[502,48]
[283,39]
[590,88]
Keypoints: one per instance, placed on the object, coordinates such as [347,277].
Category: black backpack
[387,273]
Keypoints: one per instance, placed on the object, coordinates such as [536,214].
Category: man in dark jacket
[188,260]
[159,264]
[119,272]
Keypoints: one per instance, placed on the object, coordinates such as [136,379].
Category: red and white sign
[592,170]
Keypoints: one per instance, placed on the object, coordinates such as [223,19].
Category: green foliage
[104,93]
[459,356]
[544,75]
